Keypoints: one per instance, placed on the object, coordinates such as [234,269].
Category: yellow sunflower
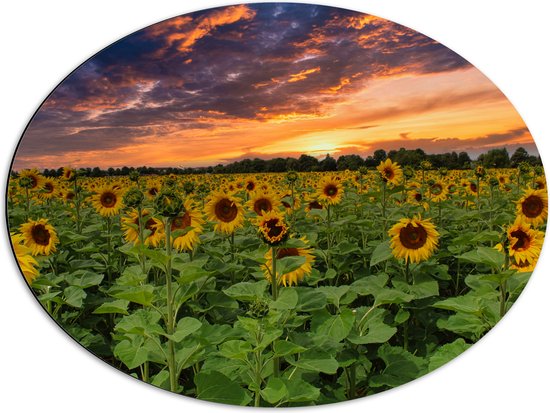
[533,206]
[298,274]
[107,200]
[39,236]
[390,172]
[525,245]
[34,177]
[250,184]
[226,210]
[191,221]
[272,227]
[263,201]
[24,258]
[153,188]
[49,189]
[330,190]
[68,174]
[438,191]
[540,182]
[413,239]
[153,228]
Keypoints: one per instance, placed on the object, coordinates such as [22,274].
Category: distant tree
[495,158]
[351,162]
[464,160]
[328,164]
[519,156]
[379,155]
[307,163]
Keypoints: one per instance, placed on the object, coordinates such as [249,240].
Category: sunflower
[24,258]
[390,172]
[329,190]
[153,188]
[39,236]
[33,177]
[153,228]
[107,200]
[298,274]
[540,182]
[525,244]
[250,184]
[413,239]
[438,191]
[69,174]
[263,201]
[272,227]
[49,189]
[192,222]
[471,187]
[533,206]
[226,210]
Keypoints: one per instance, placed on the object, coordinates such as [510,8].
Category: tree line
[494,158]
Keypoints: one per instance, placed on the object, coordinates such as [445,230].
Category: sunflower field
[279,289]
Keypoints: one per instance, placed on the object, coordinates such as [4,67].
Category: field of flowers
[284,289]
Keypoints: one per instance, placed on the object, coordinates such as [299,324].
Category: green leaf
[113,307]
[381,253]
[185,327]
[247,291]
[288,264]
[218,388]
[283,348]
[141,322]
[235,349]
[141,294]
[317,361]
[338,326]
[310,299]
[484,255]
[287,300]
[84,279]
[370,285]
[446,353]
[274,391]
[300,391]
[467,325]
[162,380]
[463,303]
[373,329]
[131,352]
[334,294]
[74,296]
[401,367]
[391,296]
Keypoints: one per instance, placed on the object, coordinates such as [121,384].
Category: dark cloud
[227,63]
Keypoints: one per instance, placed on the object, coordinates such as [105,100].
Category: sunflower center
[418,197]
[287,252]
[181,222]
[262,204]
[473,187]
[532,207]
[523,240]
[413,237]
[69,196]
[108,199]
[48,187]
[40,234]
[388,173]
[226,210]
[330,190]
[34,181]
[153,191]
[436,189]
[274,227]
[315,205]
[250,186]
[151,226]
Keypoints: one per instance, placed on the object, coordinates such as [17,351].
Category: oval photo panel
[276,204]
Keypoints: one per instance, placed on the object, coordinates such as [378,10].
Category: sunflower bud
[292,176]
[134,176]
[524,167]
[480,171]
[188,187]
[408,171]
[493,181]
[168,204]
[133,198]
[443,171]
[425,165]
[25,182]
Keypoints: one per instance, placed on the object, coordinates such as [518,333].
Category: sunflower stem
[170,315]
[384,207]
[274,294]
[109,248]
[77,206]
[27,204]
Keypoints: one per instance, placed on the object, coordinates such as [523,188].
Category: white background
[42,369]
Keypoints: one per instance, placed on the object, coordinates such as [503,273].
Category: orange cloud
[189,31]
[296,77]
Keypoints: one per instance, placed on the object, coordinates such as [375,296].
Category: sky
[268,80]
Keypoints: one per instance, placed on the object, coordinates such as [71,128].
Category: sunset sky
[268,80]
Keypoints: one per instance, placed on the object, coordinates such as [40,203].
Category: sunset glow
[267,80]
